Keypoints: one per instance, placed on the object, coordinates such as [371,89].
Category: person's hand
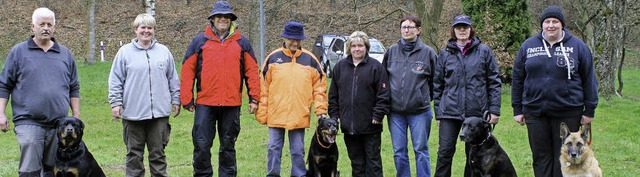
[176,110]
[374,121]
[438,122]
[322,116]
[4,123]
[520,119]
[190,108]
[586,120]
[116,112]
[253,108]
[494,119]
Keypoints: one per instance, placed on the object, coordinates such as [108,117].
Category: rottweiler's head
[474,130]
[328,129]
[69,132]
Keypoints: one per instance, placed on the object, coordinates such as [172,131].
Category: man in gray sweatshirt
[41,77]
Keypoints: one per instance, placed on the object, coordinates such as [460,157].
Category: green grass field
[614,130]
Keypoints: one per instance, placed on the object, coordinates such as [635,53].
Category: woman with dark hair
[466,84]
[410,66]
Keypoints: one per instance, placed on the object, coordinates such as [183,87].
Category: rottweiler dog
[73,159]
[323,151]
[486,157]
[576,156]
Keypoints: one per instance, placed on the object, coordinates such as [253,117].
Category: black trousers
[545,142]
[203,133]
[449,130]
[364,152]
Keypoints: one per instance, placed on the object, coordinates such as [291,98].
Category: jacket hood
[451,45]
[566,36]
[135,43]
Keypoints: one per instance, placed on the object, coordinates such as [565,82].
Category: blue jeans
[420,126]
[296,147]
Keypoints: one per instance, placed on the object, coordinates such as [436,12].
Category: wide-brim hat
[222,7]
[293,30]
[461,19]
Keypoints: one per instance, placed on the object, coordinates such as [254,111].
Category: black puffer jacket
[466,85]
[359,94]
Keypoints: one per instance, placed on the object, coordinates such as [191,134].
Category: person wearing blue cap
[410,65]
[218,62]
[466,84]
[291,82]
[554,81]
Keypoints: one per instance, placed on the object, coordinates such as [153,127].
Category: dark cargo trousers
[203,133]
[155,134]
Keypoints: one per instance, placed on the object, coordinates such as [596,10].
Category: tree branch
[368,23]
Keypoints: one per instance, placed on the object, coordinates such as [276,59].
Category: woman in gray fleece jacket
[143,89]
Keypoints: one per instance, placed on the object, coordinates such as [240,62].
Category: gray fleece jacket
[144,81]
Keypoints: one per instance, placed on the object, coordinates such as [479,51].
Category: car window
[376,47]
[327,40]
[338,45]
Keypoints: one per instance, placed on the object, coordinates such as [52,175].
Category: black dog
[486,157]
[323,151]
[73,158]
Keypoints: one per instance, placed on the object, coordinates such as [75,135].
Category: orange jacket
[219,69]
[289,84]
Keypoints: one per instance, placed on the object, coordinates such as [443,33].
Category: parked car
[320,48]
[337,48]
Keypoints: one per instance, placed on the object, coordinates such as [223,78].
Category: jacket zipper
[354,86]
[146,51]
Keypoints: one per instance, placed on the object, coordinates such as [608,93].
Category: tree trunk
[430,20]
[92,34]
[150,5]
[608,35]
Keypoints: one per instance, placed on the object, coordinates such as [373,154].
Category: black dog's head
[69,132]
[475,130]
[328,129]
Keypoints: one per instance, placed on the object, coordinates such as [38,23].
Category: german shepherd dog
[323,151]
[576,158]
[486,157]
[73,159]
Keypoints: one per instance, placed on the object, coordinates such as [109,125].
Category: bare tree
[92,33]
[430,19]
[608,38]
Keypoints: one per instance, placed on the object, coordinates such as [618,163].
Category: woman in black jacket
[359,97]
[466,84]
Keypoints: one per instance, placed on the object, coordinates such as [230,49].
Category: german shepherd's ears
[585,132]
[564,131]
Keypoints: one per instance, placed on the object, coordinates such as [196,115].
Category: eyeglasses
[408,27]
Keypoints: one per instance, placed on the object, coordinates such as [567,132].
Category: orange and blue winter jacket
[219,68]
[290,83]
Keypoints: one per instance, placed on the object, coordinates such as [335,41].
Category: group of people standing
[553,82]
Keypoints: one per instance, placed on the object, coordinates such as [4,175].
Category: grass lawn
[613,130]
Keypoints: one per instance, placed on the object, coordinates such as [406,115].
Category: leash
[487,117]
[590,134]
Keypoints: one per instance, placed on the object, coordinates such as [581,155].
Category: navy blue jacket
[466,85]
[359,94]
[541,83]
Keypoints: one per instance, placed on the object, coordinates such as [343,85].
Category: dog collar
[485,140]
[320,142]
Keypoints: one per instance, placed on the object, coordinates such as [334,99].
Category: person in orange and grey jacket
[359,97]
[466,84]
[291,81]
[219,61]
